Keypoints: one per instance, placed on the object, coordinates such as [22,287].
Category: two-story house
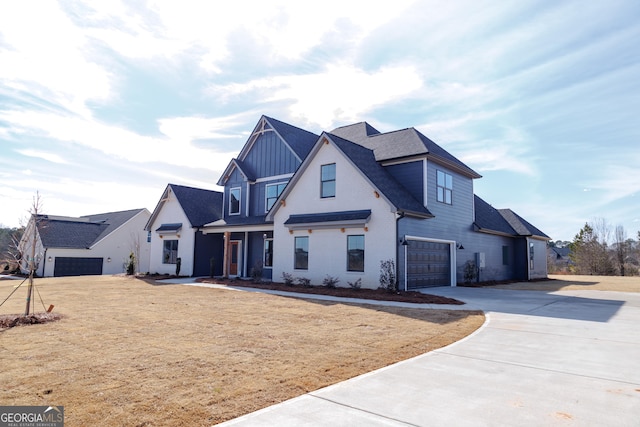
[362,197]
[252,183]
[342,203]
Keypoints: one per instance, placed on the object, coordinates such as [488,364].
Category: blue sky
[102,103]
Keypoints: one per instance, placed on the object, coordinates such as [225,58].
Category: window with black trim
[355,253]
[268,253]
[234,201]
[505,255]
[272,192]
[301,254]
[445,187]
[170,252]
[328,180]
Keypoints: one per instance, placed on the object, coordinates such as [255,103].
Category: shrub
[355,285]
[388,280]
[470,271]
[131,264]
[303,281]
[330,281]
[178,265]
[287,278]
[256,272]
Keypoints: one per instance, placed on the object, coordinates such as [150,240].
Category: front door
[234,256]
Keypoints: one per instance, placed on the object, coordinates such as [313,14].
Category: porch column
[225,257]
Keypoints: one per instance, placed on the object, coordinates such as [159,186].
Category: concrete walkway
[541,359]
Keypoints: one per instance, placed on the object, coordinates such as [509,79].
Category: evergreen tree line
[599,249]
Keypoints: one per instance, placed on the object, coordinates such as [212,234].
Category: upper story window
[445,187]
[234,201]
[273,191]
[328,180]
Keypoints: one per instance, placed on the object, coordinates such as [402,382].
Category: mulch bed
[10,320]
[372,294]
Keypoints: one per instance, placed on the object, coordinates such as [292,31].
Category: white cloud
[116,141]
[43,54]
[50,157]
[340,93]
[194,128]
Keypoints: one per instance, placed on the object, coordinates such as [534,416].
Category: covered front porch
[247,248]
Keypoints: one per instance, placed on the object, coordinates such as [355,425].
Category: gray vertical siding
[269,156]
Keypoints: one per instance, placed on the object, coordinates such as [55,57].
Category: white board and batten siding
[328,246]
[172,213]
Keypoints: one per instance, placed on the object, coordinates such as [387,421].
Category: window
[148,236]
[273,191]
[268,253]
[170,252]
[301,254]
[355,253]
[234,201]
[445,187]
[505,255]
[531,256]
[328,180]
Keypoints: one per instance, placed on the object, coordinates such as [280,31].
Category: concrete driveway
[542,359]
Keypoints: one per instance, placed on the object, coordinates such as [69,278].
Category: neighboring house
[174,231]
[88,245]
[252,183]
[559,258]
[362,197]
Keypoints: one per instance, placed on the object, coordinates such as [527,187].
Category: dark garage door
[428,264]
[66,266]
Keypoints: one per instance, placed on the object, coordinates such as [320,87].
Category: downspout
[400,215]
[44,262]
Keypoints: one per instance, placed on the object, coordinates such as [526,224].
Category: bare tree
[622,247]
[30,238]
[589,250]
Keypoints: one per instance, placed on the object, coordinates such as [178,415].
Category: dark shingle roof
[489,218]
[328,217]
[244,169]
[400,143]
[520,225]
[83,232]
[364,159]
[562,252]
[241,221]
[503,221]
[174,226]
[200,206]
[300,140]
[356,131]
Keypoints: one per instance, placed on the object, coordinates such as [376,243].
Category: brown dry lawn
[576,282]
[130,353]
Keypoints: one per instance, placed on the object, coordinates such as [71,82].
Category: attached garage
[68,266]
[428,263]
